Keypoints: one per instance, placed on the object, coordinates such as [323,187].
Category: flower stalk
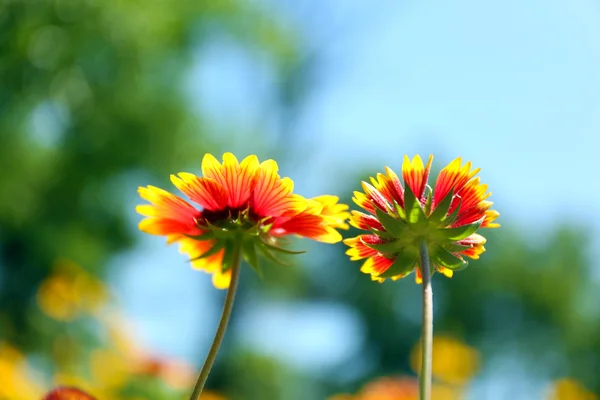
[427,327]
[225,316]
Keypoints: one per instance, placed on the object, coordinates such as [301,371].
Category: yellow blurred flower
[70,292]
[454,362]
[16,382]
[569,389]
[109,368]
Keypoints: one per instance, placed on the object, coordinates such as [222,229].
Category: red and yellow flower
[245,206]
[399,217]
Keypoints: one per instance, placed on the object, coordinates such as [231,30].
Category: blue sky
[513,86]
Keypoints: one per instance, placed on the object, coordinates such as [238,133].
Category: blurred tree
[92,95]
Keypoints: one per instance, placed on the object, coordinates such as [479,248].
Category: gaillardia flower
[245,207]
[401,217]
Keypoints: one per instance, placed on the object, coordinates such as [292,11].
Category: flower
[569,389]
[70,292]
[246,206]
[400,217]
[68,393]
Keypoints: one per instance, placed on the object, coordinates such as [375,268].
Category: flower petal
[453,176]
[376,197]
[415,175]
[376,265]
[273,196]
[365,222]
[335,214]
[389,186]
[205,191]
[168,214]
[363,201]
[237,179]
[358,250]
[212,264]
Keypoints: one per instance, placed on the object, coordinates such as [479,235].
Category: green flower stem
[427,329]
[227,307]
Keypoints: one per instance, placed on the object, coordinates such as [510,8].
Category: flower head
[245,206]
[399,217]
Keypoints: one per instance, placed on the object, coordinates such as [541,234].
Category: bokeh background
[100,97]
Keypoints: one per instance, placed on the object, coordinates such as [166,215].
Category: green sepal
[412,207]
[254,230]
[460,232]
[382,234]
[219,232]
[446,259]
[264,250]
[228,255]
[282,250]
[449,220]
[249,252]
[213,250]
[203,236]
[392,225]
[405,262]
[441,210]
[388,247]
[428,201]
[455,247]
[400,211]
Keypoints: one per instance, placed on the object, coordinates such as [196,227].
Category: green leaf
[460,232]
[392,225]
[412,207]
[446,259]
[442,208]
[249,252]
[405,262]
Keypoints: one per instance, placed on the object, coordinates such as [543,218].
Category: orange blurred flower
[400,216]
[243,204]
[391,389]
[68,393]
[398,388]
